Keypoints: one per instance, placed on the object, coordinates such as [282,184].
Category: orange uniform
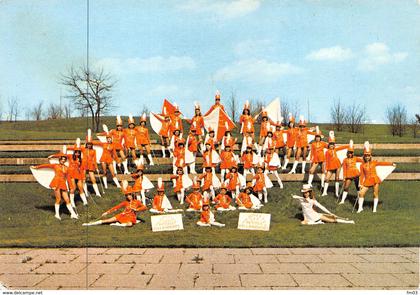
[265,126]
[138,182]
[207,159]
[208,180]
[197,123]
[302,137]
[244,200]
[61,175]
[109,152]
[192,143]
[178,183]
[368,176]
[117,137]
[227,160]
[179,154]
[142,135]
[229,141]
[128,215]
[129,138]
[89,159]
[176,121]
[157,203]
[291,136]
[205,216]
[267,160]
[195,200]
[259,182]
[213,107]
[222,201]
[317,151]
[247,160]
[278,138]
[212,141]
[165,129]
[233,180]
[349,167]
[75,169]
[332,162]
[248,123]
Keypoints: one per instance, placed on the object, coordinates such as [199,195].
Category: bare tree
[13,109]
[37,110]
[54,111]
[288,107]
[232,106]
[255,106]
[67,110]
[338,114]
[415,125]
[89,90]
[144,110]
[355,116]
[396,116]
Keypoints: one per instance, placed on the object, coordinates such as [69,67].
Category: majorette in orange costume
[143,139]
[301,144]
[207,217]
[291,133]
[350,171]
[317,156]
[223,201]
[195,199]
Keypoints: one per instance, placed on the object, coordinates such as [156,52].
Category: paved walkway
[155,268]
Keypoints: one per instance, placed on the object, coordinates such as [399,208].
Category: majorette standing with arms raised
[246,120]
[317,157]
[369,177]
[291,139]
[143,140]
[350,171]
[58,183]
[197,122]
[301,145]
[109,155]
[128,216]
[117,138]
[129,135]
[310,216]
[333,164]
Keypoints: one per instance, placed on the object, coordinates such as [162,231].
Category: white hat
[306,188]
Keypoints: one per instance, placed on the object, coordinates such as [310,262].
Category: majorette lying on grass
[310,216]
[128,216]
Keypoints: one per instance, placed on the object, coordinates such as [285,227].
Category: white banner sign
[167,222]
[254,221]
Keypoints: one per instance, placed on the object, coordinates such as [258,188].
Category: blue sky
[366,52]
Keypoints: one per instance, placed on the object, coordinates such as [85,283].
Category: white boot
[105,180]
[92,223]
[182,197]
[360,205]
[119,224]
[83,197]
[192,168]
[293,171]
[375,204]
[303,167]
[325,189]
[114,163]
[72,201]
[310,179]
[265,196]
[96,189]
[149,156]
[222,174]
[213,195]
[116,182]
[337,189]
[85,189]
[125,167]
[344,221]
[322,179]
[278,179]
[237,190]
[343,197]
[72,213]
[285,164]
[163,152]
[178,195]
[143,197]
[260,196]
[57,211]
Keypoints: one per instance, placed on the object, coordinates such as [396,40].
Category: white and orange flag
[219,121]
[168,108]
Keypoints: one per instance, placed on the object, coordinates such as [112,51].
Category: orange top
[332,162]
[197,123]
[128,215]
[302,137]
[194,200]
[179,154]
[317,151]
[349,167]
[109,152]
[267,160]
[129,137]
[192,143]
[165,129]
[248,123]
[259,182]
[244,200]
[117,137]
[142,135]
[278,138]
[368,176]
[61,175]
[265,127]
[138,182]
[207,159]
[247,160]
[212,142]
[157,202]
[178,183]
[227,160]
[176,120]
[205,216]
[222,201]
[89,159]
[233,180]
[208,180]
[216,105]
[291,136]
[75,168]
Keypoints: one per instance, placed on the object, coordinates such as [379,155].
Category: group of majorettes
[258,157]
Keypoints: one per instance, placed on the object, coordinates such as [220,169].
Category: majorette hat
[180,164]
[196,105]
[317,131]
[351,146]
[196,184]
[119,121]
[161,187]
[331,138]
[177,126]
[306,188]
[139,166]
[246,105]
[63,152]
[130,119]
[143,118]
[210,130]
[302,121]
[165,113]
[264,113]
[89,136]
[217,95]
[176,107]
[125,188]
[291,118]
[366,148]
[106,130]
[223,186]
[77,145]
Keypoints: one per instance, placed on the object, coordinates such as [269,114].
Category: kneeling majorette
[161,202]
[369,177]
[128,216]
[223,201]
[310,216]
[247,201]
[207,217]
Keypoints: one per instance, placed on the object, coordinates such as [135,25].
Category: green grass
[27,221]
[76,127]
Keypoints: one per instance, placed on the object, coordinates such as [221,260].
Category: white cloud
[256,70]
[251,47]
[155,64]
[225,9]
[377,54]
[335,53]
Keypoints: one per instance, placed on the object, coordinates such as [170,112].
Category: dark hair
[248,112]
